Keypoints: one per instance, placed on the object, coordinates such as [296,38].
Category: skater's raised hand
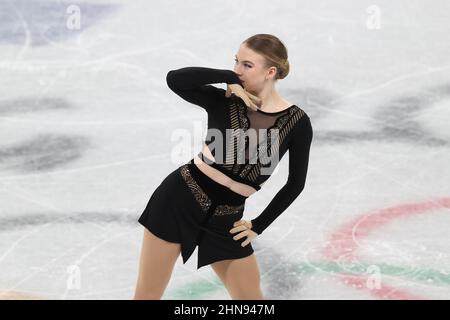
[250,100]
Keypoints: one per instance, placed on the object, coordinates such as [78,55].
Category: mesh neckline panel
[260,123]
[242,118]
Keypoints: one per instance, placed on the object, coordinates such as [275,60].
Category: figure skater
[201,203]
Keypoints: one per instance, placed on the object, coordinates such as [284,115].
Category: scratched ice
[87,127]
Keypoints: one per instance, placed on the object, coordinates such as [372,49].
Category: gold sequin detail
[202,198]
[200,195]
[225,209]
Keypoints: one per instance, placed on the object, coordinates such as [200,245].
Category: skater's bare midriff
[219,176]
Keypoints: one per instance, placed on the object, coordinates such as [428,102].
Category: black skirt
[190,208]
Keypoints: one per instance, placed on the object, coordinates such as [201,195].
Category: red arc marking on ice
[342,244]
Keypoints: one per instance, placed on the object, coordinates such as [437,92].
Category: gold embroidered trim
[200,195]
[202,198]
[225,209]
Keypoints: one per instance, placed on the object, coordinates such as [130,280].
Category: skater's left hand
[244,226]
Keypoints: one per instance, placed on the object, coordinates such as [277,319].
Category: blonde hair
[273,50]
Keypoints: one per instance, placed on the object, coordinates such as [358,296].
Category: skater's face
[250,68]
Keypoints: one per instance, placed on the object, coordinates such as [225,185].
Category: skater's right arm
[193,84]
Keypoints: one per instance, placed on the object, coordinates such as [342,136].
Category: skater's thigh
[157,260]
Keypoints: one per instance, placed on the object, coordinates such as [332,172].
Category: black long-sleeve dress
[295,134]
[190,208]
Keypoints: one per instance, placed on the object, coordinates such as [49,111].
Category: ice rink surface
[88,128]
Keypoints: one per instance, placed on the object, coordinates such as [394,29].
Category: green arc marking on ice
[203,288]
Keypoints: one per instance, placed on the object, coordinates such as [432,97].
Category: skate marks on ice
[17,223]
[395,120]
[23,106]
[40,23]
[72,241]
[43,151]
